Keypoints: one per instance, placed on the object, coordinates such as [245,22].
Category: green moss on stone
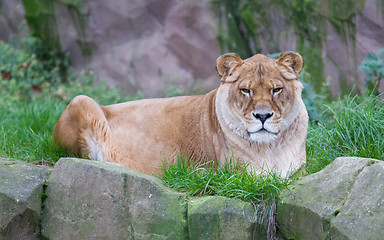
[222,218]
[41,19]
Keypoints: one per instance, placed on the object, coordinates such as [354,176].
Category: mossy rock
[362,215]
[95,200]
[224,218]
[21,190]
[343,201]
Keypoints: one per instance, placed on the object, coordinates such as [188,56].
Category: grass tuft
[26,132]
[355,128]
[228,179]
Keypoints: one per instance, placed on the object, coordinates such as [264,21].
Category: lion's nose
[262,116]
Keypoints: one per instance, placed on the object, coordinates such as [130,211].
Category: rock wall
[342,47]
[150,45]
[94,200]
[342,58]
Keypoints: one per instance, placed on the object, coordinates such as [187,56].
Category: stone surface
[21,190]
[321,205]
[362,216]
[223,218]
[143,45]
[95,200]
[11,16]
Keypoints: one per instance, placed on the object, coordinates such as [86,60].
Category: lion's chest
[280,159]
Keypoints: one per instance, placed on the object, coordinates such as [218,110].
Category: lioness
[256,114]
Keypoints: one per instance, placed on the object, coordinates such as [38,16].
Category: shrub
[373,67]
[89,84]
[22,73]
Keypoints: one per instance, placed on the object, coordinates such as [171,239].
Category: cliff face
[136,45]
[147,44]
[150,45]
[342,58]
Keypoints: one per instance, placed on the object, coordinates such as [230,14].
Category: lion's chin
[262,136]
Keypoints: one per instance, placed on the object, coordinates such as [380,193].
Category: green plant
[87,83]
[373,67]
[353,129]
[174,88]
[25,73]
[229,179]
[25,132]
[313,101]
[51,58]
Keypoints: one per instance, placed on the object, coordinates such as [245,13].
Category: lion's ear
[226,63]
[291,60]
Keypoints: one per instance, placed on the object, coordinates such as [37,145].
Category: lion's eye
[245,91]
[276,90]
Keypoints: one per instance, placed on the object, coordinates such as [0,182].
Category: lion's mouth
[262,131]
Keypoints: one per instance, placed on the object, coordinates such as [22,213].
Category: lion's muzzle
[262,116]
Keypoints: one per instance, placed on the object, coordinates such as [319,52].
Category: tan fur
[228,120]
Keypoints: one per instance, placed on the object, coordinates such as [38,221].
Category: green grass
[355,128]
[229,179]
[27,122]
[25,132]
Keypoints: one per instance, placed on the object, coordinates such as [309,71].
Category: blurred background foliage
[373,68]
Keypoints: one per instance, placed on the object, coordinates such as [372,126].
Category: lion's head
[258,97]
